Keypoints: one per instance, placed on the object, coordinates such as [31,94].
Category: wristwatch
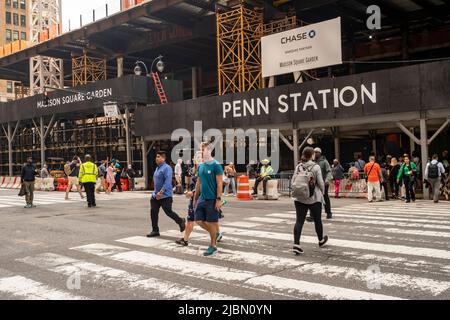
[219,199]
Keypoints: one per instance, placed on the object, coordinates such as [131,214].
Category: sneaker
[27,206]
[154,234]
[210,251]
[297,250]
[219,236]
[330,217]
[309,219]
[323,242]
[183,225]
[182,242]
[407,201]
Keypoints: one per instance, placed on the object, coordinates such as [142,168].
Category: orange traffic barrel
[243,192]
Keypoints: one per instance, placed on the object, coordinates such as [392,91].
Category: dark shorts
[191,213]
[206,211]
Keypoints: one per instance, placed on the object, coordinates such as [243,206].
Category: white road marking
[221,274]
[32,290]
[371,246]
[120,278]
[406,282]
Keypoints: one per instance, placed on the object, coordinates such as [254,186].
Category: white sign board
[111,110]
[314,46]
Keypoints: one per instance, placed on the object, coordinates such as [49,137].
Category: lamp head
[137,70]
[160,65]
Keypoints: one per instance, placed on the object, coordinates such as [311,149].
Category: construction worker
[264,176]
[88,177]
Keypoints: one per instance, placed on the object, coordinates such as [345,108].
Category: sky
[71,10]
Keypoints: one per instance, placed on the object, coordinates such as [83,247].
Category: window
[15,35]
[23,4]
[9,87]
[16,4]
[15,19]
[8,3]
[23,20]
[23,36]
[8,35]
[8,17]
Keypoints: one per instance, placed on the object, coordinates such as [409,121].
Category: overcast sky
[71,10]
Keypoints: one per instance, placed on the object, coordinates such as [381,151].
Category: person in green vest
[407,174]
[264,176]
[88,177]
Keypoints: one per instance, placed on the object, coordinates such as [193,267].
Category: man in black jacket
[28,177]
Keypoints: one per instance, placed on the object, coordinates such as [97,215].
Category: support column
[337,148]
[42,134]
[145,163]
[10,155]
[412,144]
[194,83]
[295,146]
[119,67]
[337,143]
[127,135]
[272,82]
[424,152]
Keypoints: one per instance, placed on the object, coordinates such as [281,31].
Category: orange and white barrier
[243,188]
[5,182]
[17,183]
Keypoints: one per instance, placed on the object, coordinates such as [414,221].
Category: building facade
[14,26]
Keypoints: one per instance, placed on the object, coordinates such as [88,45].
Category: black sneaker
[154,234]
[183,225]
[182,242]
[309,219]
[407,201]
[297,250]
[330,217]
[323,242]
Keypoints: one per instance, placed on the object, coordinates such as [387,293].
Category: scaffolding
[45,71]
[239,33]
[103,138]
[87,69]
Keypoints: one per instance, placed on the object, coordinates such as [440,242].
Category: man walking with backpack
[433,173]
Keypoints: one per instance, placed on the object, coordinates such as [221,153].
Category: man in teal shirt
[208,197]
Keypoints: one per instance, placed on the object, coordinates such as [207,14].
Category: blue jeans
[232,184]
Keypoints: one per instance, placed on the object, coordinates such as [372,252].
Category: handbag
[23,190]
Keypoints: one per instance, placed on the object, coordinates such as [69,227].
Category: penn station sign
[302,101]
[305,48]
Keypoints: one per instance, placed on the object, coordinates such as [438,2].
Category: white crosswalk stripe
[52,198]
[221,274]
[115,277]
[28,289]
[255,256]
[270,261]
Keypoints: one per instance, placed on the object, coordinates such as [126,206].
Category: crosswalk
[10,200]
[382,251]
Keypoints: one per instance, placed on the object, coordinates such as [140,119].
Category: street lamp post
[159,66]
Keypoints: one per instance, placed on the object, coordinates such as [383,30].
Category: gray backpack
[303,183]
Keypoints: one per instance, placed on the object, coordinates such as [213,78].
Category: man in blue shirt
[162,196]
[208,197]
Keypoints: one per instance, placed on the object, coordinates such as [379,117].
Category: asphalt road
[63,250]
